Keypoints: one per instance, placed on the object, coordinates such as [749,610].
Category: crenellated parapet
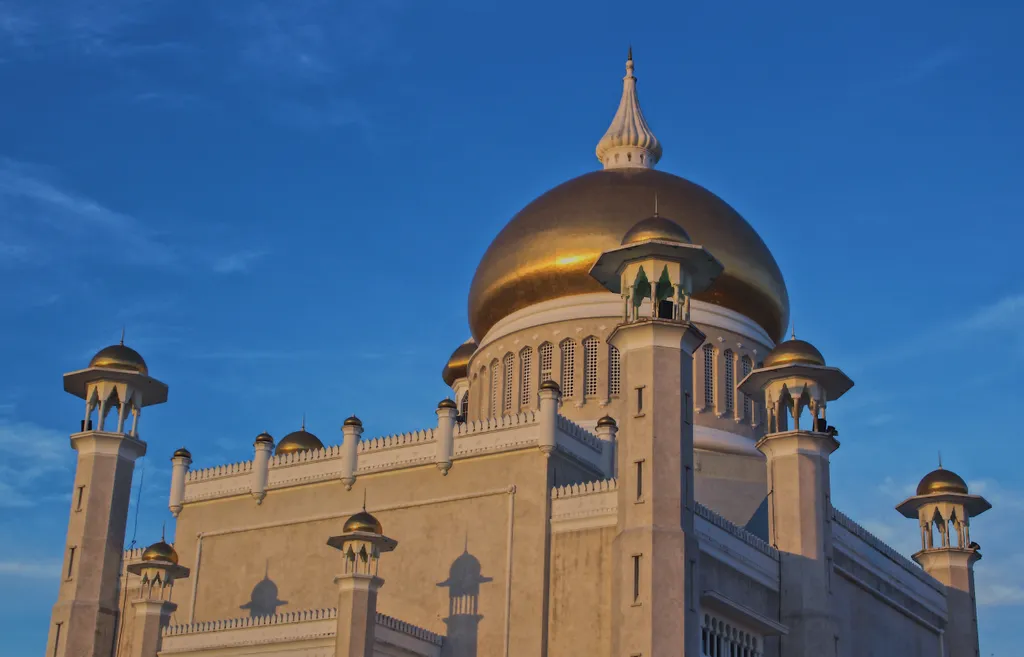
[579,434]
[213,472]
[718,521]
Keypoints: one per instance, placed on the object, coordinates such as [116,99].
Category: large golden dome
[546,251]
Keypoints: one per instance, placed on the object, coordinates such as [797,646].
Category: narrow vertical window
[495,385]
[709,376]
[56,639]
[639,400]
[614,372]
[464,406]
[525,381]
[506,397]
[590,367]
[78,501]
[568,348]
[746,365]
[636,578]
[639,481]
[546,357]
[71,561]
[730,382]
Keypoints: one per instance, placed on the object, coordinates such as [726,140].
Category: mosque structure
[633,462]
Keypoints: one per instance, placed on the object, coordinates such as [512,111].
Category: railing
[587,488]
[735,530]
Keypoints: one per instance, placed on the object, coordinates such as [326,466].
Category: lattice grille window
[525,367]
[506,401]
[719,638]
[495,386]
[730,382]
[614,372]
[546,357]
[568,348]
[747,365]
[590,367]
[709,376]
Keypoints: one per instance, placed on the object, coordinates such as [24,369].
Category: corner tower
[655,550]
[944,504]
[794,380]
[116,386]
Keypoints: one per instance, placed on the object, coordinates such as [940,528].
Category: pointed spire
[122,336]
[792,334]
[303,422]
[629,142]
[940,459]
[163,532]
[655,204]
[364,500]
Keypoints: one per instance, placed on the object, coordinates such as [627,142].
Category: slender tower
[655,551]
[795,381]
[115,387]
[944,506]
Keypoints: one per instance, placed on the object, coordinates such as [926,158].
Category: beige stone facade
[636,472]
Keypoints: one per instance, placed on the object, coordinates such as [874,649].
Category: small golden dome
[794,352]
[942,481]
[458,363]
[606,421]
[298,441]
[182,452]
[119,357]
[265,438]
[550,385]
[160,551]
[447,403]
[655,228]
[363,522]
[353,421]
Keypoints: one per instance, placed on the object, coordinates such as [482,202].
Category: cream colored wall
[581,604]
[867,627]
[733,485]
[415,508]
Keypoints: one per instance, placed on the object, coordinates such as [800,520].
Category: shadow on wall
[464,579]
[263,601]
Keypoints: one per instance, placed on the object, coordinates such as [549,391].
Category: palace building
[633,462]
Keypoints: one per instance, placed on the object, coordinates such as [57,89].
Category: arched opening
[590,367]
[568,382]
[525,377]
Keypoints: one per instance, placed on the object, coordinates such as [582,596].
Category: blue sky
[241,184]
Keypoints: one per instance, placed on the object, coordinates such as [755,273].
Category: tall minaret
[654,596]
[792,381]
[943,503]
[85,618]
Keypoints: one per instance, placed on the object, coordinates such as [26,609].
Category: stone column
[550,397]
[445,437]
[262,449]
[179,470]
[352,430]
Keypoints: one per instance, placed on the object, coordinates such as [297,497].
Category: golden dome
[119,357]
[794,352]
[446,403]
[655,228]
[265,438]
[362,522]
[298,441]
[458,362]
[942,481]
[352,421]
[606,421]
[546,251]
[160,551]
[182,452]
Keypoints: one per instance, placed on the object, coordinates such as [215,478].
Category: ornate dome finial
[629,142]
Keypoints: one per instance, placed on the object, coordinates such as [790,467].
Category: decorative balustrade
[587,488]
[737,531]
[218,471]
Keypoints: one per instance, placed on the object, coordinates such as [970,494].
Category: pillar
[550,395]
[445,437]
[352,430]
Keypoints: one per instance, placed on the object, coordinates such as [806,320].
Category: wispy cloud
[24,477]
[93,28]
[31,569]
[234,263]
[1004,314]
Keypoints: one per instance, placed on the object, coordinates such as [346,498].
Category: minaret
[795,379]
[361,543]
[654,595]
[943,503]
[85,618]
[158,570]
[629,142]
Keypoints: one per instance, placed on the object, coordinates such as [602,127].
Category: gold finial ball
[119,357]
[160,551]
[298,441]
[794,352]
[363,522]
[655,228]
[942,481]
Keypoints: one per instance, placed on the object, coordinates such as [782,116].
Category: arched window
[568,348]
[590,367]
[546,357]
[746,365]
[464,407]
[495,386]
[730,382]
[709,376]
[614,372]
[525,369]
[506,398]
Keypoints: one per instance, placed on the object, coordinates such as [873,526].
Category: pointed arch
[507,366]
[546,351]
[708,350]
[729,381]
